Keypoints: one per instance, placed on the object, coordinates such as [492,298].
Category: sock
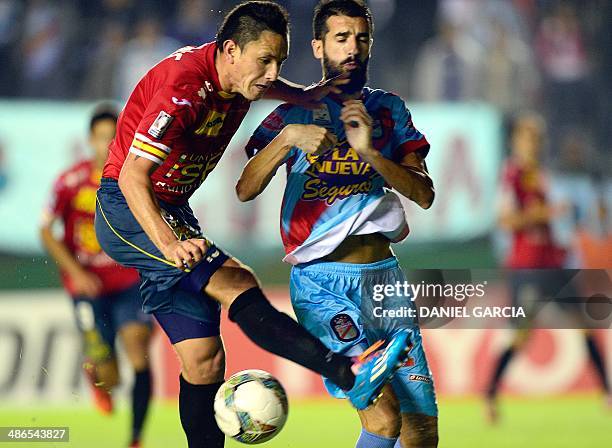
[141,395]
[370,440]
[198,415]
[595,356]
[279,334]
[398,444]
[502,364]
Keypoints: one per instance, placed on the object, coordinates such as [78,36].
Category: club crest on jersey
[160,125]
[344,327]
[321,115]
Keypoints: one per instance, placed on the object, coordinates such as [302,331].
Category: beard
[357,79]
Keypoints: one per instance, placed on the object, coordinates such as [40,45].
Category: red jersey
[73,201]
[178,117]
[532,247]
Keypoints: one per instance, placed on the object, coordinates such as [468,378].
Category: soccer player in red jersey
[105,294]
[170,136]
[535,259]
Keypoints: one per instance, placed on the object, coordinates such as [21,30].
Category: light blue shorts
[334,301]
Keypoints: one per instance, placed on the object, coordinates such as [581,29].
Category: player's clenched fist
[357,125]
[185,254]
[310,138]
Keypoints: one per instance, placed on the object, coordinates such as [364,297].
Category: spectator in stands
[510,77]
[449,66]
[148,46]
[45,34]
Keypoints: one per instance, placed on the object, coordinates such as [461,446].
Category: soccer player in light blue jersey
[339,216]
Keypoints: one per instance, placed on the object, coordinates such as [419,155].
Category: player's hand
[87,284]
[185,254]
[357,126]
[310,138]
[313,94]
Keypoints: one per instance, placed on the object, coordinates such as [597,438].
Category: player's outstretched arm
[309,97]
[135,184]
[260,170]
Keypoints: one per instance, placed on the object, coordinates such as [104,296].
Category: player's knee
[422,433]
[384,424]
[231,283]
[135,338]
[204,368]
[384,418]
[107,375]
[140,362]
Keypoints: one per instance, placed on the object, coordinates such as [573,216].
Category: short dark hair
[328,8]
[249,19]
[103,112]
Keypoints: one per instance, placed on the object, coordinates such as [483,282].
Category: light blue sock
[398,444]
[369,440]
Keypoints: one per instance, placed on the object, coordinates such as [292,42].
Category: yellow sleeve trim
[151,149]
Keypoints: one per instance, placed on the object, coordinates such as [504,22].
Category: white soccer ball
[251,406]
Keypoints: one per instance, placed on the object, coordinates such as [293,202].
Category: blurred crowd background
[549,55]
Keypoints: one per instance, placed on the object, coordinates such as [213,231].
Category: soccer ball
[251,406]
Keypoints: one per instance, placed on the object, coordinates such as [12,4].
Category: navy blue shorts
[165,289]
[101,318]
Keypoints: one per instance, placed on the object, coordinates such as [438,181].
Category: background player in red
[171,134]
[105,295]
[535,259]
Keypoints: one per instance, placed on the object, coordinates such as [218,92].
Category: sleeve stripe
[150,149]
[146,139]
[146,155]
[410,146]
[413,145]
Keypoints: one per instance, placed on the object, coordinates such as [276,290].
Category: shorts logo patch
[421,378]
[160,125]
[344,327]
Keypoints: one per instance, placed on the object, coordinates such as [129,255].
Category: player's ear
[230,50]
[317,48]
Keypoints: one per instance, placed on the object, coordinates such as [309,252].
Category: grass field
[572,422]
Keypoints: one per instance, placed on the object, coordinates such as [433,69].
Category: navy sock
[598,362]
[141,395]
[198,416]
[370,440]
[279,334]
[502,364]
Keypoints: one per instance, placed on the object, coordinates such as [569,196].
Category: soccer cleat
[135,444]
[103,400]
[376,367]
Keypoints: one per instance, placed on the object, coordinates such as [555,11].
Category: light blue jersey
[329,198]
[337,194]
